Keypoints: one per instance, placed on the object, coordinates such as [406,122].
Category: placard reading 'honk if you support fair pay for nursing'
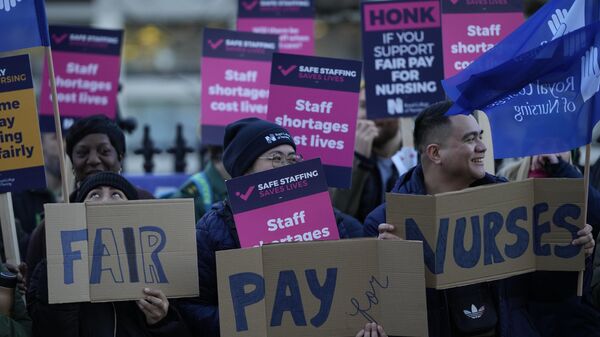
[21,156]
[286,204]
[236,67]
[316,100]
[87,66]
[402,50]
[293,21]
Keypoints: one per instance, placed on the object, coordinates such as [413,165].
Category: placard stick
[407,126]
[586,187]
[57,125]
[484,123]
[9,232]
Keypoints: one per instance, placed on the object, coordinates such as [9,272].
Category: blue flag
[538,86]
[22,24]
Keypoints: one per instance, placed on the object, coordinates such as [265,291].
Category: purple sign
[87,66]
[316,100]
[473,27]
[21,155]
[402,51]
[291,20]
[287,204]
[236,67]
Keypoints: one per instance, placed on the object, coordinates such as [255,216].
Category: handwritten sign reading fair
[236,68]
[316,100]
[328,288]
[472,28]
[87,65]
[287,204]
[110,251]
[21,158]
[291,20]
[479,234]
[402,51]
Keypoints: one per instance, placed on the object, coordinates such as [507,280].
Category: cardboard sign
[472,28]
[287,204]
[316,100]
[493,232]
[87,65]
[110,251]
[21,157]
[236,68]
[402,50]
[322,289]
[293,21]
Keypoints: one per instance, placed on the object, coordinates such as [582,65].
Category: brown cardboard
[490,202]
[146,221]
[398,304]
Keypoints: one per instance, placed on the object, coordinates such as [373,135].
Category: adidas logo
[474,313]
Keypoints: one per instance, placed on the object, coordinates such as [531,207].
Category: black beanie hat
[248,138]
[96,124]
[106,179]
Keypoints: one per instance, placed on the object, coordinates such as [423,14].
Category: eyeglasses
[278,159]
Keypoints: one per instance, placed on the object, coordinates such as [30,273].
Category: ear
[432,152]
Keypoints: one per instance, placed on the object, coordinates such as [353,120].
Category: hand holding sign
[590,74]
[154,305]
[372,330]
[366,131]
[585,239]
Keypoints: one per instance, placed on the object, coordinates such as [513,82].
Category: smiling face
[94,153]
[463,151]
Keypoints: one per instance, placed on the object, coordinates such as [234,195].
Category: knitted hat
[248,138]
[106,179]
[95,124]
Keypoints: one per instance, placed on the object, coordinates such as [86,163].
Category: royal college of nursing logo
[7,5]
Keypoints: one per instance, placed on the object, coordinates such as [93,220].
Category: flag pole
[57,124]
[9,232]
[586,184]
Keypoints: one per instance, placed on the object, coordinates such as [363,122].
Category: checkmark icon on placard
[249,5]
[216,44]
[245,196]
[58,39]
[287,71]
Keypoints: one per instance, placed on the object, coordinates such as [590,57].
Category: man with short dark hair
[451,159]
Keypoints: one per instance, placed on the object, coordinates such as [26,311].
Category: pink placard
[234,89]
[304,219]
[466,36]
[296,36]
[322,122]
[86,84]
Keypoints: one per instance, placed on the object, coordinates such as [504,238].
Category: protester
[151,315]
[14,321]
[373,173]
[94,144]
[207,186]
[247,151]
[451,159]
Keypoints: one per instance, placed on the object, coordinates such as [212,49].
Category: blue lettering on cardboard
[462,257]
[292,302]
[492,223]
[433,261]
[520,246]
[324,293]
[106,252]
[559,218]
[153,241]
[539,229]
[69,256]
[241,299]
